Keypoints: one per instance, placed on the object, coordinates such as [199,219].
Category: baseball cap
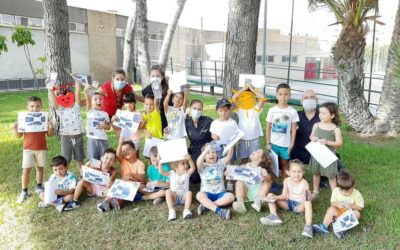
[223,102]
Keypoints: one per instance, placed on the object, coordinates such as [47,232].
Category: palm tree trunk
[169,33]
[143,41]
[389,105]
[241,42]
[349,61]
[129,41]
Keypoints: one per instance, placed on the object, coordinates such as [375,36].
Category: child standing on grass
[66,184]
[152,118]
[212,195]
[98,122]
[260,162]
[34,152]
[176,114]
[294,198]
[328,133]
[344,197]
[281,127]
[179,187]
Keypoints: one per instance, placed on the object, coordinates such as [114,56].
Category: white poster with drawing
[125,190]
[321,153]
[152,187]
[32,122]
[257,81]
[177,82]
[148,144]
[245,174]
[51,83]
[82,78]
[345,221]
[237,135]
[226,133]
[95,176]
[172,150]
[275,163]
[50,188]
[94,119]
[127,120]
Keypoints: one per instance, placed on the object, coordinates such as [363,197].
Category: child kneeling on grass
[106,166]
[212,195]
[179,187]
[66,183]
[344,197]
[295,197]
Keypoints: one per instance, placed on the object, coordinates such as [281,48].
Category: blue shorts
[179,199]
[282,152]
[246,147]
[214,197]
[138,197]
[293,205]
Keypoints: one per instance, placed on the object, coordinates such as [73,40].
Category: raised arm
[78,88]
[120,156]
[185,98]
[191,164]
[166,100]
[200,160]
[87,98]
[160,169]
[53,99]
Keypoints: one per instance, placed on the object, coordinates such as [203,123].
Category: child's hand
[188,157]
[121,139]
[126,177]
[50,124]
[186,91]
[166,131]
[169,92]
[346,205]
[290,148]
[269,147]
[314,139]
[114,118]
[102,125]
[59,192]
[87,87]
[15,126]
[323,141]
[215,137]
[148,134]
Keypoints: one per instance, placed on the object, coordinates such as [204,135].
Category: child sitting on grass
[255,192]
[294,197]
[179,187]
[344,197]
[66,183]
[212,195]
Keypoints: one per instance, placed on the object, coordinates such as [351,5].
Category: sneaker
[115,204]
[103,206]
[60,207]
[187,214]
[72,205]
[42,204]
[22,196]
[271,220]
[239,207]
[39,189]
[340,235]
[307,231]
[225,214]
[171,214]
[320,228]
[201,210]
[256,205]
[158,201]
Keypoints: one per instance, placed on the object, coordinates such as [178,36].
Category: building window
[270,59]
[294,59]
[120,32]
[7,19]
[79,27]
[35,22]
[23,21]
[259,59]
[153,36]
[311,59]
[285,59]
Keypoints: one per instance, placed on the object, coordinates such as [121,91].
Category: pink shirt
[297,192]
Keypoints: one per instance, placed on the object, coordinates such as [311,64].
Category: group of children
[171,181]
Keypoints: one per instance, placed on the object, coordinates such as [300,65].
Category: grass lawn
[374,161]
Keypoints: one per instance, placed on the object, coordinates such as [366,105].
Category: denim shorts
[214,197]
[293,205]
[281,152]
[179,199]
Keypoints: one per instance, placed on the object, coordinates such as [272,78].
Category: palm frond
[396,58]
[357,17]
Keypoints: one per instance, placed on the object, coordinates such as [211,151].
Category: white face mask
[309,104]
[155,79]
[195,114]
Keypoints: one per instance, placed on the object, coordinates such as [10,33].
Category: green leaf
[3,44]
[22,36]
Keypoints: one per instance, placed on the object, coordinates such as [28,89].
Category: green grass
[374,161]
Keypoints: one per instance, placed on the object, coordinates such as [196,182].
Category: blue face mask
[195,114]
[119,84]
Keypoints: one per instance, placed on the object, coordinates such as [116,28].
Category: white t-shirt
[94,118]
[179,183]
[176,123]
[68,182]
[281,120]
[224,129]
[71,122]
[249,123]
[212,177]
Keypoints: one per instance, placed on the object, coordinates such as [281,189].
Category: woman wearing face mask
[198,132]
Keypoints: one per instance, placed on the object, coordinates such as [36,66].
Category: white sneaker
[22,197]
[271,220]
[171,214]
[42,204]
[256,205]
[158,201]
[239,207]
[187,214]
[60,207]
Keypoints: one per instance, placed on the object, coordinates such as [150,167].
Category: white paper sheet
[125,190]
[226,133]
[32,122]
[345,221]
[50,188]
[244,174]
[82,78]
[52,81]
[148,144]
[237,135]
[177,81]
[95,176]
[172,150]
[257,81]
[275,163]
[127,120]
[321,153]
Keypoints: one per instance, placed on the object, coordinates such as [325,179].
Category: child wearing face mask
[176,114]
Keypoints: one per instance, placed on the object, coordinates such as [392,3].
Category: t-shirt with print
[249,123]
[66,183]
[132,169]
[94,118]
[281,120]
[154,175]
[179,183]
[218,126]
[354,199]
[176,122]
[153,123]
[71,122]
[212,177]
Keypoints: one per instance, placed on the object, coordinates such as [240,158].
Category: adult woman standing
[198,132]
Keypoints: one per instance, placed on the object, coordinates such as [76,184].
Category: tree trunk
[241,42]
[389,106]
[143,41]
[129,59]
[349,61]
[169,33]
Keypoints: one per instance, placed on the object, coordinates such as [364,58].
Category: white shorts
[98,190]
[33,158]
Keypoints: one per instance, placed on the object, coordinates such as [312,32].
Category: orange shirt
[135,170]
[35,141]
